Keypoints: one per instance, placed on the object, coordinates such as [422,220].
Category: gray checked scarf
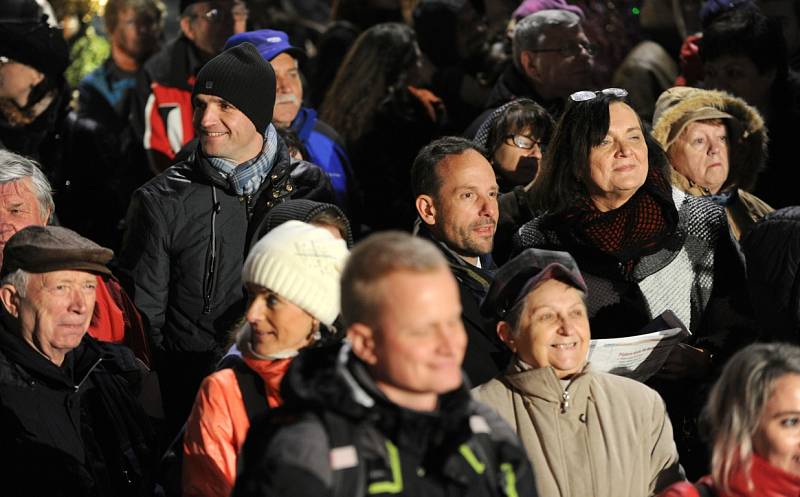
[246,178]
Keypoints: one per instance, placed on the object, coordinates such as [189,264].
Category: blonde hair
[737,401]
[376,257]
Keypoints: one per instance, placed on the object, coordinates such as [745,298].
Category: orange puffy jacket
[218,425]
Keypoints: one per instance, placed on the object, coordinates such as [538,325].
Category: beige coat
[611,439]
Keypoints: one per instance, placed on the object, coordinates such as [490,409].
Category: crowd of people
[346,248]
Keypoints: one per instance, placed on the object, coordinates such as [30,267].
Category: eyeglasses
[238,11]
[523,142]
[584,95]
[571,50]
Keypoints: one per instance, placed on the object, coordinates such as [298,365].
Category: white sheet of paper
[638,357]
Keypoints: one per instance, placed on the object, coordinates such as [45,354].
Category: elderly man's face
[415,356]
[19,209]
[564,63]
[55,312]
[288,90]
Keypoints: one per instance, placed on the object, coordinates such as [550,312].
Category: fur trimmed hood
[748,151]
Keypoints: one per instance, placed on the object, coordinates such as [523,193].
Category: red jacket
[768,481]
[218,425]
[116,319]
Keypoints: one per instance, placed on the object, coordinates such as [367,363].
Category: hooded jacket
[337,434]
[747,155]
[612,438]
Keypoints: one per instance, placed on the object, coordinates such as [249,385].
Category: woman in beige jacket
[586,433]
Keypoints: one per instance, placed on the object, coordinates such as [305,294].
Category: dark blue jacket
[322,143]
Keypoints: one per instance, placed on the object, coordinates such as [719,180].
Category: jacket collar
[177,65]
[78,363]
[512,85]
[542,383]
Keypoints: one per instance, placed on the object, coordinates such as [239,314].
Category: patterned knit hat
[301,263]
[243,78]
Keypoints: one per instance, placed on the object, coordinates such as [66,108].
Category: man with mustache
[455,194]
[320,140]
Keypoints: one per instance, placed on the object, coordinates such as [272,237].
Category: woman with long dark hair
[644,247]
[377,105]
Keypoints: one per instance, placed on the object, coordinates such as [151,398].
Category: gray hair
[529,31]
[18,279]
[737,401]
[373,259]
[514,315]
[14,167]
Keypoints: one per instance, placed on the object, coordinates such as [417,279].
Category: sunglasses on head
[584,95]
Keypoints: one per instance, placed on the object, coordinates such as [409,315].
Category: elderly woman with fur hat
[717,146]
[292,278]
[586,432]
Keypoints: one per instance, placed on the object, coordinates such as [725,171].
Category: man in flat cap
[67,401]
[189,227]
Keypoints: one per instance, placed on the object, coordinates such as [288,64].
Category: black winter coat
[486,355]
[186,242]
[338,435]
[75,430]
[772,251]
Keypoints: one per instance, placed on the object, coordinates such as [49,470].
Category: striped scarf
[246,178]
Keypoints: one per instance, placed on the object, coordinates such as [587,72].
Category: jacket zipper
[78,386]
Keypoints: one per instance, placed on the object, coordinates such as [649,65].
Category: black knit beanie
[34,44]
[242,77]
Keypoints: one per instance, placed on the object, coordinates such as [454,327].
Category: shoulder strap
[347,465]
[254,393]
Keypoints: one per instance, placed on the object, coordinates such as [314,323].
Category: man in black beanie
[162,106]
[189,227]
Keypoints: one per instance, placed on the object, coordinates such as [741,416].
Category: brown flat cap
[41,249]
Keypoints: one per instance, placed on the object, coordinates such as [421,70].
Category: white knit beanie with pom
[301,263]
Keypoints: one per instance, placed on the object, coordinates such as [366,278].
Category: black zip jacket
[338,435]
[186,243]
[75,430]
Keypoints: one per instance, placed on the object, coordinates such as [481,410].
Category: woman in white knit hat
[292,277]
